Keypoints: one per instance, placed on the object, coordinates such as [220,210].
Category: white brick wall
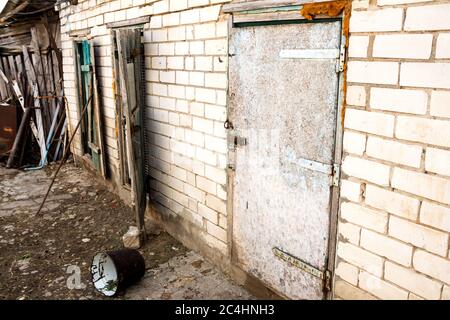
[394,219]
[186,60]
[397,153]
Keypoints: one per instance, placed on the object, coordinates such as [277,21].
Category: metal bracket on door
[236,141]
[336,175]
[341,61]
[296,262]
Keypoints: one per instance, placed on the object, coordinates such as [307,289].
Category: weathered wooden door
[129,48]
[283,107]
[91,125]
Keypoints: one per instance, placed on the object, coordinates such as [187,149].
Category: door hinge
[341,60]
[336,175]
[325,276]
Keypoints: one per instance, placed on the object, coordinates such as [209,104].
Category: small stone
[85,239]
[131,238]
[23,264]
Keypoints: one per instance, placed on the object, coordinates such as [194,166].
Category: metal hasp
[296,262]
[284,96]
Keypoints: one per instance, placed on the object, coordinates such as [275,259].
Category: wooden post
[128,92]
[20,134]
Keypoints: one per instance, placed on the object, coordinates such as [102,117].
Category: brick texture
[396,161]
[186,63]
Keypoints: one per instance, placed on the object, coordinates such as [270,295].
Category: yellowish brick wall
[186,80]
[395,191]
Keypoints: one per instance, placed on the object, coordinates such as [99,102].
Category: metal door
[283,108]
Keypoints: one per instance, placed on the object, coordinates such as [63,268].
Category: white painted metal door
[283,107]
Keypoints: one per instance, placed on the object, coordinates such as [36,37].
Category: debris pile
[32,102]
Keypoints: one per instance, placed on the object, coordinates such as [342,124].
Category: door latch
[240,141]
[236,141]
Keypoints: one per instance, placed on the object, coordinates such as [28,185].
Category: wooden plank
[263,4]
[128,23]
[50,84]
[13,11]
[32,80]
[62,136]
[21,134]
[21,99]
[79,85]
[3,86]
[41,81]
[126,86]
[20,70]
[120,120]
[261,17]
[39,121]
[12,67]
[7,73]
[137,114]
[98,141]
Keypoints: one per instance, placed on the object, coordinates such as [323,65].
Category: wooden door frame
[121,140]
[95,103]
[292,17]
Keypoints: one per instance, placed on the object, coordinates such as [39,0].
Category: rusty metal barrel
[113,271]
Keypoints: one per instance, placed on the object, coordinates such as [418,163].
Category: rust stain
[330,9]
[333,9]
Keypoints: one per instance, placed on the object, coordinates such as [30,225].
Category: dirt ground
[48,256]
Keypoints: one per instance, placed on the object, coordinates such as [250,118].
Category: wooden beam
[17,9]
[128,23]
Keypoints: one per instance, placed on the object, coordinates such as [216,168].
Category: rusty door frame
[335,189]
